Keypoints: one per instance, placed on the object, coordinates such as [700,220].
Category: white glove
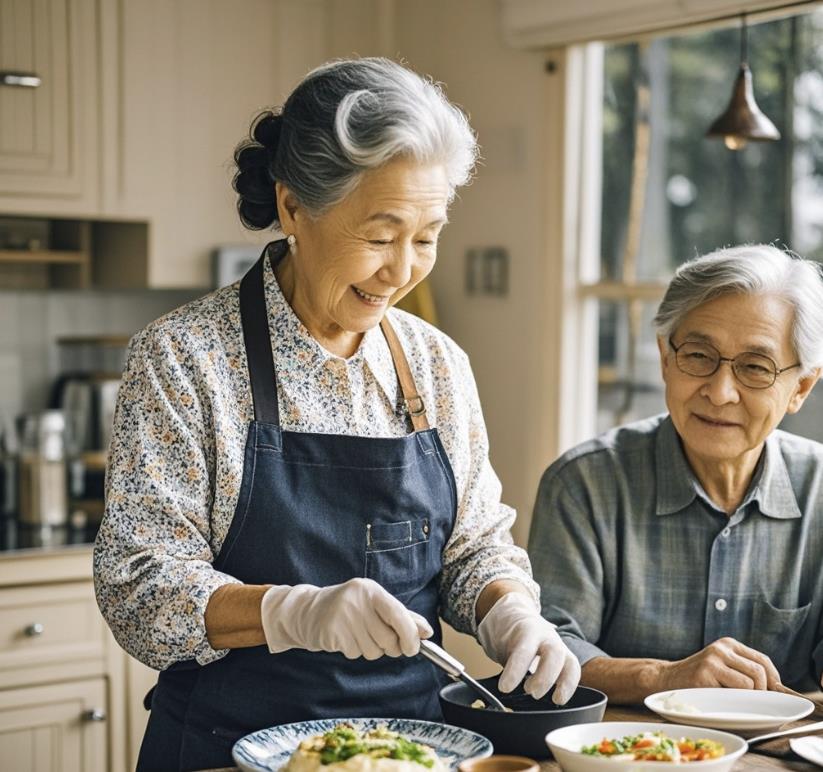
[358,618]
[514,634]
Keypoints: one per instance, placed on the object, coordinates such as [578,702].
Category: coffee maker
[86,391]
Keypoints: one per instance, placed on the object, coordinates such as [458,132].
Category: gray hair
[756,269]
[343,119]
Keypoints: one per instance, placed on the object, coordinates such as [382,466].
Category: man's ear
[805,384]
[664,349]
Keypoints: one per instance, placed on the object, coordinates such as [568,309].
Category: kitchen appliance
[89,399]
[87,388]
[43,490]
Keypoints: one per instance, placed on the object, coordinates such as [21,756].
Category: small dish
[744,710]
[267,750]
[499,764]
[566,745]
[810,748]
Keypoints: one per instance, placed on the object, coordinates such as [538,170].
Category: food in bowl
[478,703]
[348,749]
[655,746]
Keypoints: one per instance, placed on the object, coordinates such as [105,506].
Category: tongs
[457,670]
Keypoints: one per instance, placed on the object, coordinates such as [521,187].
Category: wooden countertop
[767,756]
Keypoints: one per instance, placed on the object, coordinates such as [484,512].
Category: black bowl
[523,731]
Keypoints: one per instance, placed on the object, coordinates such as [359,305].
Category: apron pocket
[779,633]
[397,555]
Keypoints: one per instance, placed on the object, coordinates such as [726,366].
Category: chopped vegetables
[345,741]
[655,746]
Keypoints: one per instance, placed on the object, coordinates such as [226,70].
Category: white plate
[746,710]
[269,749]
[810,748]
[567,742]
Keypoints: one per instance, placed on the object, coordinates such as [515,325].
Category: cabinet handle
[33,630]
[95,714]
[19,79]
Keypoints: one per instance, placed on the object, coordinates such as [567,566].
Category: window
[669,194]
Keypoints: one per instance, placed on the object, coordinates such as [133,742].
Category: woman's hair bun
[254,178]
[266,129]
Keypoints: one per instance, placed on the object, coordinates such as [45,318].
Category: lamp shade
[743,120]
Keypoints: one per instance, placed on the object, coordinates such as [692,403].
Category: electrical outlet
[487,271]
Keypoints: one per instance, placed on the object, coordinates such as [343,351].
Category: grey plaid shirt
[634,560]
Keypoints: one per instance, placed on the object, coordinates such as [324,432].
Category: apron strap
[411,399]
[255,320]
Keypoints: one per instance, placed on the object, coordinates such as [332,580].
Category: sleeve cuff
[204,653]
[583,650]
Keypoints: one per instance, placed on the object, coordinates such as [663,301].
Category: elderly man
[687,549]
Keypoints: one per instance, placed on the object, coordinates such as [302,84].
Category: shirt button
[425,528]
[725,532]
[720,604]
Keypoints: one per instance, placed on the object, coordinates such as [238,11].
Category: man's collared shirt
[635,560]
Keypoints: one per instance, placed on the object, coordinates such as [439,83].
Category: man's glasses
[756,371]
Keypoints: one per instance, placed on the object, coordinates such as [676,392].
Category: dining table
[771,755]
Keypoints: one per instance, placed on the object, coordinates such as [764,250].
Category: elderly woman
[283,520]
[685,550]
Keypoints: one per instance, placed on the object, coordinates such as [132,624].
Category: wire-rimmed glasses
[753,370]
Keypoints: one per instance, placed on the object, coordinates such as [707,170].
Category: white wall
[505,93]
[459,43]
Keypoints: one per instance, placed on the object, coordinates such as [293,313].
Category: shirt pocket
[397,555]
[780,634]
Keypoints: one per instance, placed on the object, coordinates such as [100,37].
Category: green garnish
[344,741]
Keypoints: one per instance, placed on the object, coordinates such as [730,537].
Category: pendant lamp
[743,121]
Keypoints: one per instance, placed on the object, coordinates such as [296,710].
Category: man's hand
[725,662]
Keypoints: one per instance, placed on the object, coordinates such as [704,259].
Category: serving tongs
[457,670]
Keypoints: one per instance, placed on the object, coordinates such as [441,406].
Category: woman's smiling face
[368,251]
[716,416]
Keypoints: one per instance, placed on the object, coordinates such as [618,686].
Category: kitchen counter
[16,537]
[772,755]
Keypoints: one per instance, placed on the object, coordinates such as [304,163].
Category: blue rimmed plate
[269,749]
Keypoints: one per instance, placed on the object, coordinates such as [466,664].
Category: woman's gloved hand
[513,634]
[357,618]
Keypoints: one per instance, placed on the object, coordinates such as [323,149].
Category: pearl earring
[292,242]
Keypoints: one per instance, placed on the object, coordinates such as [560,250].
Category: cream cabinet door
[54,728]
[49,133]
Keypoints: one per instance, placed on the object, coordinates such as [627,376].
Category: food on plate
[376,750]
[670,702]
[655,746]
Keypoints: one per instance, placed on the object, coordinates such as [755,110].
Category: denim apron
[316,509]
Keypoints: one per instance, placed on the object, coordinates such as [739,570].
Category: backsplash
[31,321]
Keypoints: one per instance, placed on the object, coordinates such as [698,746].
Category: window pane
[669,193]
[625,392]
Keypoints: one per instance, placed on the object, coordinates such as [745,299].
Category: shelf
[40,256]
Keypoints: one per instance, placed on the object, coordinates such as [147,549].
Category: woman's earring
[292,242]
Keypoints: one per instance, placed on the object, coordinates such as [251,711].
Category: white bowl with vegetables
[634,745]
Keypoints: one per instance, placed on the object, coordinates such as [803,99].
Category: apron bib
[314,509]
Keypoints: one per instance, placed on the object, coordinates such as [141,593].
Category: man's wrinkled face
[716,416]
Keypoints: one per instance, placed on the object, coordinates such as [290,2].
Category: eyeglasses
[756,371]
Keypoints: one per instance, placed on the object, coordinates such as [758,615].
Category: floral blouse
[176,460]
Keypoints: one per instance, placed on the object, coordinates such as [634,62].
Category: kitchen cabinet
[49,133]
[57,728]
[140,108]
[70,698]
